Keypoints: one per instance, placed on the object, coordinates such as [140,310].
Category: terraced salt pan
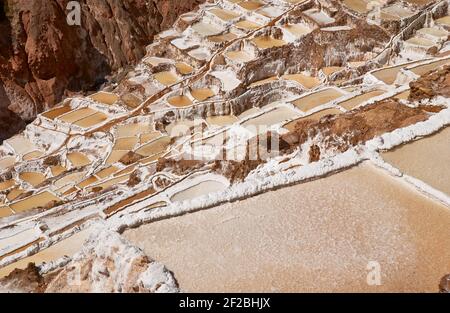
[201,94]
[329,70]
[425,68]
[183,68]
[315,99]
[54,113]
[154,147]
[33,178]
[206,29]
[78,159]
[356,101]
[133,129]
[5,211]
[201,54]
[69,179]
[223,37]
[267,42]
[360,6]
[7,162]
[166,78]
[91,120]
[76,115]
[107,98]
[420,42]
[251,5]
[115,156]
[445,21]
[427,159]
[198,190]
[32,155]
[319,17]
[239,56]
[263,81]
[228,79]
[395,12]
[4,185]
[265,120]
[37,200]
[295,238]
[125,143]
[67,247]
[304,80]
[247,25]
[271,12]
[225,15]
[155,61]
[20,144]
[297,30]
[221,120]
[179,101]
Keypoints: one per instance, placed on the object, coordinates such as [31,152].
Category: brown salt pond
[76,115]
[67,247]
[423,69]
[32,155]
[125,143]
[37,200]
[166,78]
[179,101]
[183,68]
[295,238]
[225,15]
[106,172]
[426,159]
[247,25]
[198,190]
[206,29]
[223,38]
[105,97]
[239,56]
[78,159]
[221,120]
[356,101]
[266,42]
[57,170]
[155,146]
[328,70]
[33,178]
[445,21]
[201,94]
[91,120]
[265,120]
[132,129]
[149,136]
[403,95]
[54,113]
[4,185]
[250,5]
[315,116]
[360,6]
[263,81]
[7,162]
[315,99]
[115,156]
[304,80]
[298,30]
[5,211]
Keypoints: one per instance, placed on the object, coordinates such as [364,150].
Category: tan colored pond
[198,190]
[298,30]
[221,120]
[184,68]
[315,116]
[92,120]
[304,80]
[149,136]
[125,143]
[5,211]
[265,120]
[420,42]
[76,115]
[179,101]
[166,78]
[106,172]
[427,159]
[223,38]
[111,182]
[239,56]
[263,81]
[315,99]
[54,113]
[250,5]
[14,193]
[356,101]
[132,129]
[297,238]
[359,6]
[57,170]
[423,69]
[78,158]
[4,185]
[87,182]
[225,15]
[403,95]
[266,42]
[206,29]
[155,146]
[247,25]
[115,156]
[443,21]
[32,155]
[105,97]
[38,200]
[7,162]
[201,94]
[328,70]
[68,247]
[33,178]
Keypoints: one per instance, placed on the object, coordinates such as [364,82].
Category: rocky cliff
[42,58]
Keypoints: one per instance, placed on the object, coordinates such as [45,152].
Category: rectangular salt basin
[247,25]
[33,178]
[38,200]
[239,56]
[315,99]
[425,68]
[132,129]
[223,14]
[356,101]
[319,17]
[166,78]
[221,120]
[223,37]
[125,143]
[68,247]
[202,94]
[251,5]
[263,81]
[91,120]
[78,159]
[20,144]
[360,6]
[179,101]
[54,113]
[266,42]
[198,190]
[427,159]
[76,115]
[107,98]
[206,29]
[5,211]
[7,162]
[154,147]
[265,120]
[297,30]
[304,80]
[295,238]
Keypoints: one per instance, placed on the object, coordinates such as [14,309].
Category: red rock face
[42,58]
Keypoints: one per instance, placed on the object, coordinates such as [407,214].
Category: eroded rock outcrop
[42,58]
